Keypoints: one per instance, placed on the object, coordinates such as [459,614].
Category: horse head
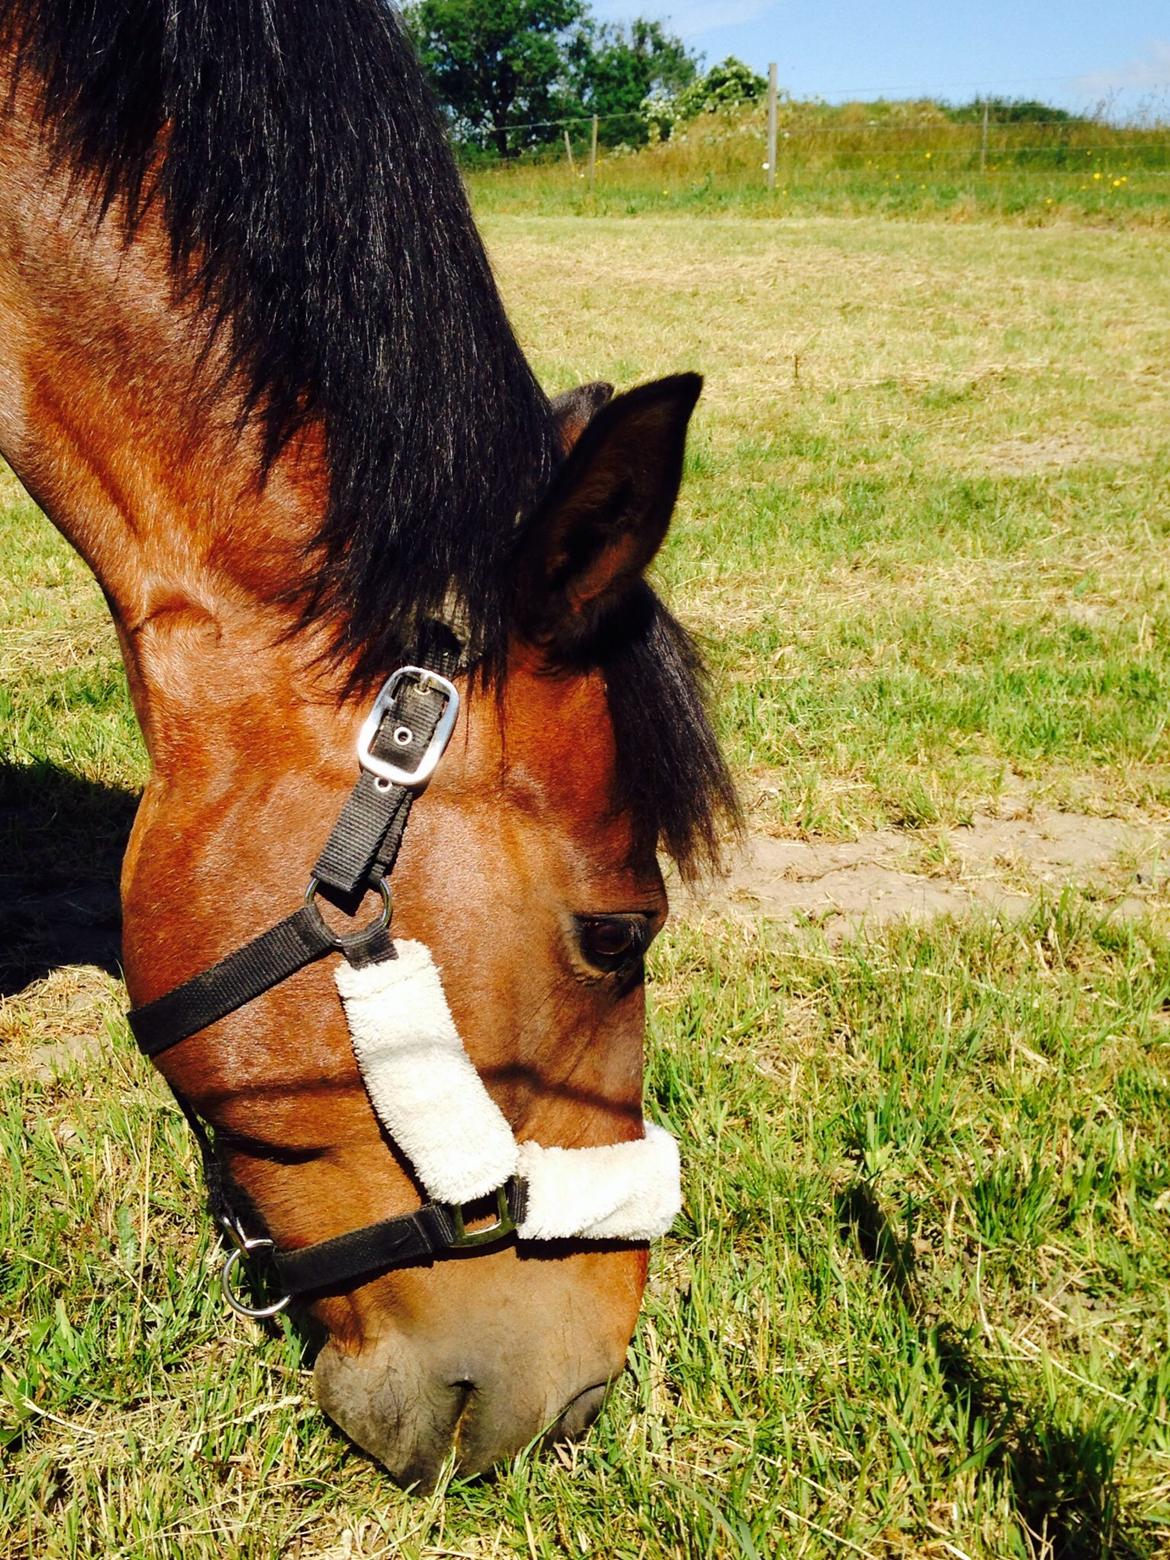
[288,455]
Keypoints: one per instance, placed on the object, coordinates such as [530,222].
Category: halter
[421,1082]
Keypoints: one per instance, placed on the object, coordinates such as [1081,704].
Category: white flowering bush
[725,86]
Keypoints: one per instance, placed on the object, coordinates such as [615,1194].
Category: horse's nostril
[580,1413]
[464,1396]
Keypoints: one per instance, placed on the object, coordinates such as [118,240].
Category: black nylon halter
[400,744]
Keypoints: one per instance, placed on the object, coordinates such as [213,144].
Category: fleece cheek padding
[433,1103]
[626,1191]
[420,1078]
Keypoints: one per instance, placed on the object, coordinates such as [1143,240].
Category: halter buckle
[504,1225]
[393,774]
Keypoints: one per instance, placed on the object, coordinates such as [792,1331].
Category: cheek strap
[433,1103]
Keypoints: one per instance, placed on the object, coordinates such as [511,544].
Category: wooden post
[773,86]
[569,152]
[593,153]
[983,142]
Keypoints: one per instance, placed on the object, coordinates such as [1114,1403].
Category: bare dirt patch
[1054,452]
[995,863]
[59,1022]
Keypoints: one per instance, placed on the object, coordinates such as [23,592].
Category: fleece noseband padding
[434,1105]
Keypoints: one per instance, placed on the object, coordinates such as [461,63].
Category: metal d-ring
[255,1313]
[352,939]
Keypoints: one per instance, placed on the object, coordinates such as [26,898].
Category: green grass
[925,529]
[903,160]
[918,1291]
[917,1302]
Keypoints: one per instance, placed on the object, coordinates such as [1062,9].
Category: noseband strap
[403,1242]
[299,940]
[635,1185]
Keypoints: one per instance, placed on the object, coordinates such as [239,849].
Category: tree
[618,68]
[496,64]
[724,86]
[507,69]
[1006,111]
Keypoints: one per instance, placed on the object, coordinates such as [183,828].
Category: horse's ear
[575,409]
[605,515]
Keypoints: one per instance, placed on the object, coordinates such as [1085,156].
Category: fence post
[569,152]
[983,142]
[593,154]
[773,86]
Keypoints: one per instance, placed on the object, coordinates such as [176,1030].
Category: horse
[255,367]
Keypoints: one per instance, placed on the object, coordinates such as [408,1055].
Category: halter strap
[401,1242]
[402,743]
[402,1031]
[293,943]
[362,848]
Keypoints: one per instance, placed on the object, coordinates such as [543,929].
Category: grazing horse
[254,366]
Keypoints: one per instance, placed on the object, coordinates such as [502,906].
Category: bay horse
[254,366]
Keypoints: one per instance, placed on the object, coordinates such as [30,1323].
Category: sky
[1074,53]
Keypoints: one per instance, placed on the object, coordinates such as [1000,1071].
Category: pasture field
[896,159]
[917,1303]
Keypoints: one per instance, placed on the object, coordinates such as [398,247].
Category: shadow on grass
[62,839]
[1062,1478]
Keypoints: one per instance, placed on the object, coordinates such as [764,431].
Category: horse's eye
[613,942]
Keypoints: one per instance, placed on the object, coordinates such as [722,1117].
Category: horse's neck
[109,416]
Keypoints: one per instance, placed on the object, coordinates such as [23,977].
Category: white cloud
[1148,72]
[691,18]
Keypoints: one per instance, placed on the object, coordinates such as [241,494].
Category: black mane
[314,207]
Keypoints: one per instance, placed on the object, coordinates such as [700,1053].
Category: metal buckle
[429,682]
[504,1225]
[239,1252]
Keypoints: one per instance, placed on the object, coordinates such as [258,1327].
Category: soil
[995,863]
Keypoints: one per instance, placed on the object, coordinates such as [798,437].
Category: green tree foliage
[495,64]
[506,69]
[1010,111]
[724,86]
[621,67]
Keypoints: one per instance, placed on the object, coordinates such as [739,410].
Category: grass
[904,160]
[925,527]
[918,1294]
[916,1305]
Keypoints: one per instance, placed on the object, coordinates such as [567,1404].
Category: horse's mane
[315,210]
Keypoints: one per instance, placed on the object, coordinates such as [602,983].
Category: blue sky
[1072,52]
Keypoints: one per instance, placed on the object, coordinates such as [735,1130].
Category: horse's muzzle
[413,1414]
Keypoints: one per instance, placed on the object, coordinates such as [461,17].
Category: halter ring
[504,1223]
[255,1313]
[349,942]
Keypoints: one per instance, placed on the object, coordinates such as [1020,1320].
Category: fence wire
[986,145]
